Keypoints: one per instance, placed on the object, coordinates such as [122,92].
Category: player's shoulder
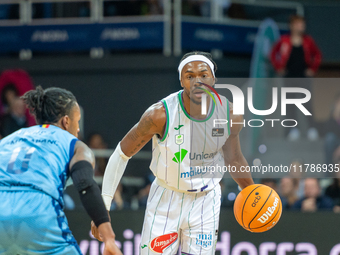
[158,111]
[156,114]
[172,96]
[15,134]
[81,146]
[81,150]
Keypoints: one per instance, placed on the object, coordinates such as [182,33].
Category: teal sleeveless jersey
[37,157]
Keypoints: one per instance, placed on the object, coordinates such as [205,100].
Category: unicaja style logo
[179,156]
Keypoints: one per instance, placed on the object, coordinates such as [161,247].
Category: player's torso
[190,147]
[37,157]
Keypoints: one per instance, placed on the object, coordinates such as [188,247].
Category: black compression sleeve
[82,176]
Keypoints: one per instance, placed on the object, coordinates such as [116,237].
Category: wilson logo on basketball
[160,243]
[269,212]
[256,200]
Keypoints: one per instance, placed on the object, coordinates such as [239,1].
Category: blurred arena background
[118,57]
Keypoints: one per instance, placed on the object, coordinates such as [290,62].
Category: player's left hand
[95,232]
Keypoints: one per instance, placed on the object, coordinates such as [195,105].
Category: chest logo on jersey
[216,132]
[179,139]
[179,156]
[160,243]
[179,126]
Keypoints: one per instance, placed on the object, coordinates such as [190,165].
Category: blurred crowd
[307,194]
[296,191]
[294,55]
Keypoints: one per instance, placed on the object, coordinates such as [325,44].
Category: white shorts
[174,218]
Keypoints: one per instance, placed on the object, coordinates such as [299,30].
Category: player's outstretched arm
[151,123]
[81,171]
[232,152]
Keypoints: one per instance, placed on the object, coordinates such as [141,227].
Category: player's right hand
[111,248]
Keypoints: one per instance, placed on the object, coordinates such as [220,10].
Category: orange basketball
[257,208]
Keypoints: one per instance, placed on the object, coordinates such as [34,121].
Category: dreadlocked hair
[49,105]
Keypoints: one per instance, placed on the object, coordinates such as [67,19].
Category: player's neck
[193,109]
[57,125]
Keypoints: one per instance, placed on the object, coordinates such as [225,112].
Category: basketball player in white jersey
[184,203]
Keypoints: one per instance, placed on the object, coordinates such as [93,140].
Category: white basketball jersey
[190,149]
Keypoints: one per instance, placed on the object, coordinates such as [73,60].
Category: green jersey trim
[167,124]
[186,114]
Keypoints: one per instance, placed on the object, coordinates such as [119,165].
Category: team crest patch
[179,139]
[217,132]
[160,243]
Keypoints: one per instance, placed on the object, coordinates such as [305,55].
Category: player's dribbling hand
[111,248]
[95,232]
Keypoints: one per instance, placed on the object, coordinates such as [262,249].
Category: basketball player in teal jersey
[35,163]
[183,208]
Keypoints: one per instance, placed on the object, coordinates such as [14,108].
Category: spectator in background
[8,94]
[22,82]
[313,200]
[297,172]
[270,182]
[96,141]
[296,55]
[15,119]
[333,191]
[288,192]
[332,137]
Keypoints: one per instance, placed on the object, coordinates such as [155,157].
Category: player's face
[73,123]
[193,74]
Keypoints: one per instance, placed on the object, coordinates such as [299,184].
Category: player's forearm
[241,177]
[89,192]
[113,173]
[244,182]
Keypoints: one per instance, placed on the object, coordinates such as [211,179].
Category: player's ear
[65,122]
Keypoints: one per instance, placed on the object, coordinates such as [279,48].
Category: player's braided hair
[205,54]
[49,105]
